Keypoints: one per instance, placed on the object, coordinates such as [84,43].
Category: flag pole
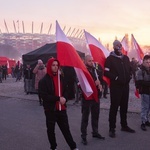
[59,88]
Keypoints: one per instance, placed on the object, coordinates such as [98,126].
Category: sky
[104,19]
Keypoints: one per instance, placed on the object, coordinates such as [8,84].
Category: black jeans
[39,96]
[105,86]
[87,107]
[119,97]
[61,118]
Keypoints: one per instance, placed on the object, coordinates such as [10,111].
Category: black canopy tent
[43,53]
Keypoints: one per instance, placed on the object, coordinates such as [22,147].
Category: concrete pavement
[10,88]
[22,125]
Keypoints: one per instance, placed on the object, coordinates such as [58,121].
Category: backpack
[138,87]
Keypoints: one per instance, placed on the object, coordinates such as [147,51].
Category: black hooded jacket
[47,89]
[117,69]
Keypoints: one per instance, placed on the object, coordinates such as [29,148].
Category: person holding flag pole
[99,54]
[53,91]
[68,56]
[89,104]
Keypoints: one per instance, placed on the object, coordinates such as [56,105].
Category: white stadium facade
[15,44]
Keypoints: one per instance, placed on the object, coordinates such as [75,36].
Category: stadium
[16,39]
[14,44]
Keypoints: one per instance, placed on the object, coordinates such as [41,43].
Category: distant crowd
[16,71]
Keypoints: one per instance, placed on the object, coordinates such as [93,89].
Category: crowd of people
[119,70]
[54,88]
[16,72]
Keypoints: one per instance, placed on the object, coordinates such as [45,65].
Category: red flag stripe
[98,51]
[137,93]
[97,55]
[68,56]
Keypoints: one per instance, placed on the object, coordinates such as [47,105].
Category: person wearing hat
[118,70]
[39,71]
[142,83]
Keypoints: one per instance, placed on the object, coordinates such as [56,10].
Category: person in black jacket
[91,105]
[117,69]
[143,84]
[1,70]
[54,94]
[28,79]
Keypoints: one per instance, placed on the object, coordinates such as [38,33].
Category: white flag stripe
[124,44]
[92,40]
[60,36]
[85,86]
[136,48]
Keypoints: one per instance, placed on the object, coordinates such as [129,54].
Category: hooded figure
[39,72]
[40,61]
[54,94]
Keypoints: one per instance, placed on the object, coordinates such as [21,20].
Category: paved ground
[22,124]
[10,88]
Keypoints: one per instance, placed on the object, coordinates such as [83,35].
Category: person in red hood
[53,91]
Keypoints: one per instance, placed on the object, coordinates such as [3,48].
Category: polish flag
[97,51]
[140,56]
[139,51]
[68,56]
[125,48]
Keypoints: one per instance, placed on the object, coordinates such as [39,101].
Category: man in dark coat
[117,69]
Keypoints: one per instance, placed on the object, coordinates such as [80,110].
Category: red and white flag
[140,56]
[137,48]
[68,56]
[97,51]
[125,47]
